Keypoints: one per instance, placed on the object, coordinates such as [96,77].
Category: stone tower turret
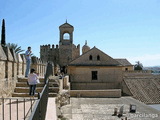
[66,34]
[85,48]
[65,52]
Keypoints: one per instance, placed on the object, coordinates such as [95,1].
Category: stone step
[53,84]
[23,95]
[53,89]
[24,84]
[27,95]
[26,89]
[26,79]
[52,95]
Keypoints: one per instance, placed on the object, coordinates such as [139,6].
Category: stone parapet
[13,65]
[111,93]
[19,64]
[3,59]
[2,54]
[23,64]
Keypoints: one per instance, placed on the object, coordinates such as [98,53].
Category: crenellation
[24,63]
[57,46]
[14,65]
[8,54]
[78,46]
[52,46]
[14,55]
[2,54]
[19,64]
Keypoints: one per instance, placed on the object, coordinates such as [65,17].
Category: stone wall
[107,77]
[13,65]
[96,93]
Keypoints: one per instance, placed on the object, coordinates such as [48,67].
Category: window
[98,57]
[66,36]
[94,75]
[90,57]
[126,69]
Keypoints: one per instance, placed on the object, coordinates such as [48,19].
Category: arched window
[98,57]
[90,57]
[66,36]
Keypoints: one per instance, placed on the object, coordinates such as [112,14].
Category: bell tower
[66,34]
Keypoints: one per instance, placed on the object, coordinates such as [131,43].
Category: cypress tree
[3,41]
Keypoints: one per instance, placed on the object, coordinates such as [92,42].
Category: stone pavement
[103,109]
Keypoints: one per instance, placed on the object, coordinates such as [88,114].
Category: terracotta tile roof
[124,62]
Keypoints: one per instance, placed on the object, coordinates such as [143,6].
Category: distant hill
[155,69]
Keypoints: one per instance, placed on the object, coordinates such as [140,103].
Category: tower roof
[66,25]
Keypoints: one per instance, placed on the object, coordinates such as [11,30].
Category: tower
[85,48]
[66,34]
[67,50]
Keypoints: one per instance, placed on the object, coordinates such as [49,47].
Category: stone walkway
[103,109]
[51,109]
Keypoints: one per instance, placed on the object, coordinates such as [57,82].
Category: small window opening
[90,57]
[94,75]
[98,57]
[66,36]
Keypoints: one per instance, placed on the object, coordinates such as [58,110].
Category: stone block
[19,64]
[8,54]
[2,54]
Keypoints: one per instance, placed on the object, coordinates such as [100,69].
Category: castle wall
[13,65]
[76,52]
[3,59]
[65,54]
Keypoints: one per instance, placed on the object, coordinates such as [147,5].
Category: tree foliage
[3,41]
[138,66]
[15,47]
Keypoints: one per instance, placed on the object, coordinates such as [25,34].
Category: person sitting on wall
[28,61]
[32,81]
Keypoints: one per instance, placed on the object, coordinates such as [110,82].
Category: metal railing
[17,107]
[27,109]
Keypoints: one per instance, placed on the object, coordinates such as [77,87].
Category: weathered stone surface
[19,58]
[23,58]
[8,53]
[2,71]
[103,109]
[2,54]
[14,55]
[19,64]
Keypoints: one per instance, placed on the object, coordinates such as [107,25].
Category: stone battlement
[49,46]
[13,65]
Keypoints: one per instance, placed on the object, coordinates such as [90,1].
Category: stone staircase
[54,86]
[22,89]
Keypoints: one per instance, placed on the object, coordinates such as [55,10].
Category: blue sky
[120,28]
